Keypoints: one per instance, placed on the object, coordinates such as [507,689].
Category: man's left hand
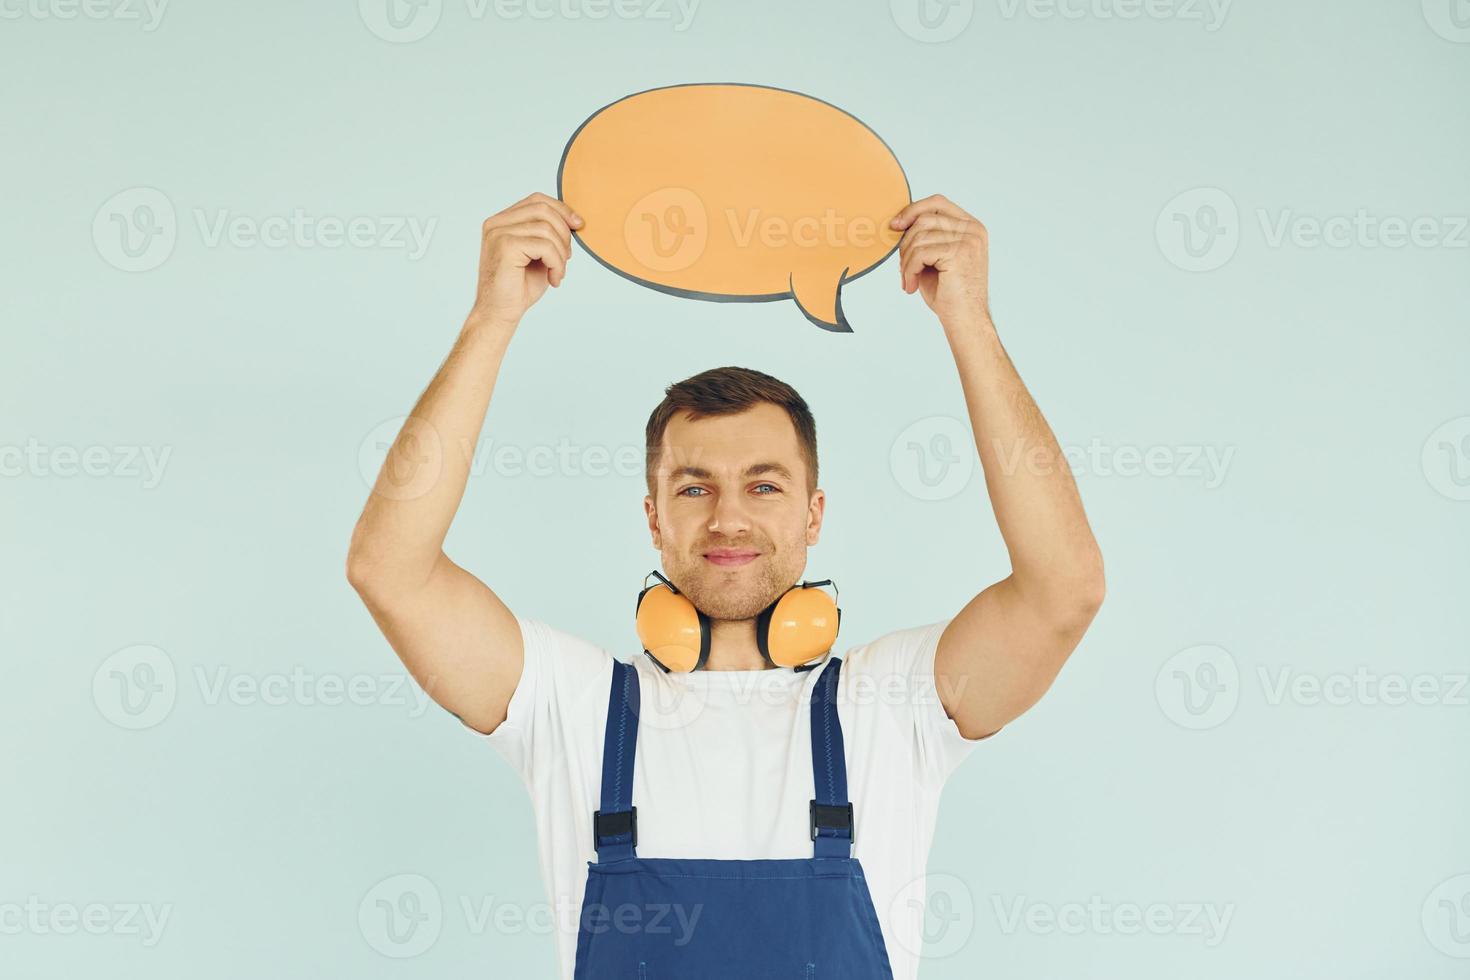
[945,255]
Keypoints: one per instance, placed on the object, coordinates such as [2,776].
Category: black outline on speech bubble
[841,326]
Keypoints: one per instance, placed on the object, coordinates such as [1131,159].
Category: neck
[732,646]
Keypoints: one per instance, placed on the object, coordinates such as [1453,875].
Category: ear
[814,514]
[650,511]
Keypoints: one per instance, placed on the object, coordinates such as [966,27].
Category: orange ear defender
[796,629]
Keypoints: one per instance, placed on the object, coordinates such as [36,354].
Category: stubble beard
[732,594]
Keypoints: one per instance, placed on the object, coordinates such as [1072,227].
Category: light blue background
[1333,542]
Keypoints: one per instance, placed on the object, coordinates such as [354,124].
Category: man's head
[732,467]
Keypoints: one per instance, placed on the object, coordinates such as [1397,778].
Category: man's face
[733,484]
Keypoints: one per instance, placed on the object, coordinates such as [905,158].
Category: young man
[724,843]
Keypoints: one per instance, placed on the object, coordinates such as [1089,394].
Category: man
[721,780]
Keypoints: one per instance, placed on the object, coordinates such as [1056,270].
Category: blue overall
[704,919]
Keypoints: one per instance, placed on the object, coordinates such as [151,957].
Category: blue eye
[685,491]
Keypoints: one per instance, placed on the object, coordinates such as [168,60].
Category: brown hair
[725,391]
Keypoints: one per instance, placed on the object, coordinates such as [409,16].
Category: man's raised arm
[1001,652]
[455,636]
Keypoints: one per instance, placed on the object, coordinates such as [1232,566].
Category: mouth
[730,557]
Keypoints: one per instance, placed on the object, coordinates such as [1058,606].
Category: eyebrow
[754,469]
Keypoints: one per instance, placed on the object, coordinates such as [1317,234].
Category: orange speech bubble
[734,193]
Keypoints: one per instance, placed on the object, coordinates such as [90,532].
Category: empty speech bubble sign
[734,193]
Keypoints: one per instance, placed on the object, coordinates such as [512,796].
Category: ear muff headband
[796,629]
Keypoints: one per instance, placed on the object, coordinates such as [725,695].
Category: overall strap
[831,812]
[615,825]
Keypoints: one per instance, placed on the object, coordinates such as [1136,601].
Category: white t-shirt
[723,767]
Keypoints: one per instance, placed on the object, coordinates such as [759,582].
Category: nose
[728,516]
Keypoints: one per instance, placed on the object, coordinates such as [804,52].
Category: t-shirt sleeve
[561,677]
[902,664]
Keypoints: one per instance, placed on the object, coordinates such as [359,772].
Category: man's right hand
[522,250]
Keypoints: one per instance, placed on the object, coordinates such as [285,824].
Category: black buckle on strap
[832,817]
[614,824]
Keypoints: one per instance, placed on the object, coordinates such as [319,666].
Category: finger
[530,247]
[538,204]
[934,202]
[572,218]
[540,227]
[535,211]
[545,212]
[534,197]
[558,229]
[513,238]
[915,241]
[544,229]
[933,220]
[937,256]
[933,238]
